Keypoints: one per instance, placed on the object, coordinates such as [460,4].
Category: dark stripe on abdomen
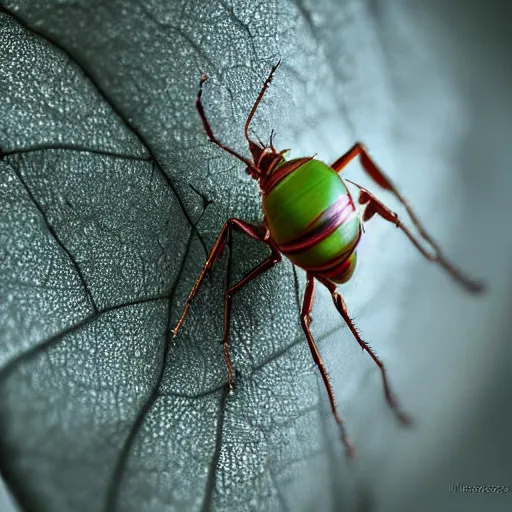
[321,227]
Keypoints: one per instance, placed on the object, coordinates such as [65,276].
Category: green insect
[310,217]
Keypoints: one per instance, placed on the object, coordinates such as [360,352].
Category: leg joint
[305,320]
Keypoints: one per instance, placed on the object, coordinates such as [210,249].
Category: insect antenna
[258,99]
[258,139]
[207,128]
[270,142]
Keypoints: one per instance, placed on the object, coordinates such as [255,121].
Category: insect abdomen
[313,220]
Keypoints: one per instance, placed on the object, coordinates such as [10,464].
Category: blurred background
[427,86]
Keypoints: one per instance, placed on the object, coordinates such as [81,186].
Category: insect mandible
[310,217]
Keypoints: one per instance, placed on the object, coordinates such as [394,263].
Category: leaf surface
[102,238]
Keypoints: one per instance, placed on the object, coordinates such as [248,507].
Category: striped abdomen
[313,220]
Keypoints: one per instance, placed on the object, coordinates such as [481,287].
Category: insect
[310,218]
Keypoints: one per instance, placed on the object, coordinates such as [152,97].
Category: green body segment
[313,220]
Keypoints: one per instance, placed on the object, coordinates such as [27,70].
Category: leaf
[100,411]
[102,239]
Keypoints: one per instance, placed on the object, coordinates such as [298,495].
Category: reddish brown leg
[215,253]
[256,232]
[381,179]
[209,132]
[305,319]
[342,309]
[374,206]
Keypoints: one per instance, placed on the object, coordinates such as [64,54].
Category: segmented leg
[374,206]
[342,309]
[305,319]
[381,179]
[258,233]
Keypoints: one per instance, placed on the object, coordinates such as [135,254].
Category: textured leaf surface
[99,410]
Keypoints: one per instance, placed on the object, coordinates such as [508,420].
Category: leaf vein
[115,108]
[73,147]
[56,237]
[114,487]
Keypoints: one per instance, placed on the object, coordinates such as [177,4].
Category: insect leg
[342,309]
[368,165]
[268,263]
[381,179]
[374,206]
[256,232]
[215,253]
[305,320]
[209,132]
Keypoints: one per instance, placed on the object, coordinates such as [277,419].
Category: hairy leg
[305,320]
[340,305]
